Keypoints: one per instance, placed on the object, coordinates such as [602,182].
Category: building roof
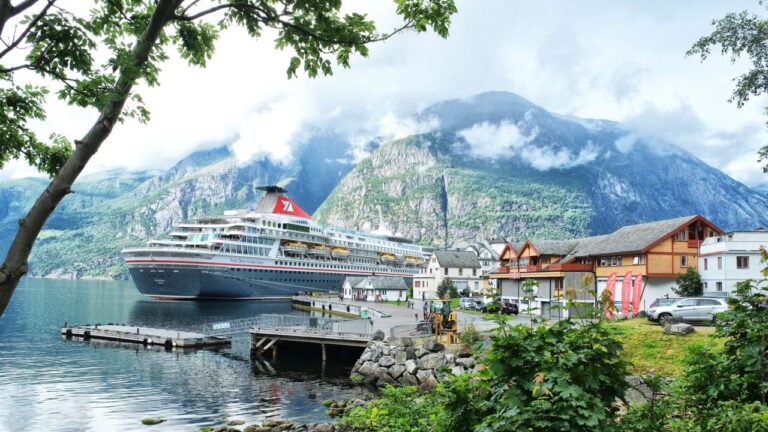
[457,259]
[377,282]
[553,247]
[632,238]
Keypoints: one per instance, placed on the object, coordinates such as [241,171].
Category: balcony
[694,243]
[575,267]
[533,268]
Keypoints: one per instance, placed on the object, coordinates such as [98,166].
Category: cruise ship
[274,250]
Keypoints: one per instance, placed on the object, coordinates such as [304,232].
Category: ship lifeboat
[295,248]
[411,261]
[340,252]
[319,250]
[387,258]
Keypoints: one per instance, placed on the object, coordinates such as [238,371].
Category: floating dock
[144,336]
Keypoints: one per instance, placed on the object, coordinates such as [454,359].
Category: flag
[626,293]
[610,288]
[286,206]
[637,292]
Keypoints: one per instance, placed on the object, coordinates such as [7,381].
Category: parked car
[479,305]
[688,309]
[467,303]
[509,308]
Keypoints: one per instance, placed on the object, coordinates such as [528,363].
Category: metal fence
[326,325]
[420,329]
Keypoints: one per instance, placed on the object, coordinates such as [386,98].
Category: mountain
[116,209]
[493,163]
[498,163]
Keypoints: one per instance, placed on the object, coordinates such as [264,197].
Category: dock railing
[362,327]
[420,329]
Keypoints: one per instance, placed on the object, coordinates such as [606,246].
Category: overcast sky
[601,59]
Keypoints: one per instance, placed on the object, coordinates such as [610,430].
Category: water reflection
[48,383]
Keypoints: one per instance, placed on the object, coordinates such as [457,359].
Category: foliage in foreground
[564,376]
[689,284]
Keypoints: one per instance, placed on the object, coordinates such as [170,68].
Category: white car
[688,309]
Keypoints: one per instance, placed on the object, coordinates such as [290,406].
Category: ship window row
[242,249]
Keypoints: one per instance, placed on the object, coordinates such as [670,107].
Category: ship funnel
[275,201]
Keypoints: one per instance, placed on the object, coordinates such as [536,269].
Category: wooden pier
[144,336]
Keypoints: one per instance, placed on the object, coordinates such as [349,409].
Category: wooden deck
[144,336]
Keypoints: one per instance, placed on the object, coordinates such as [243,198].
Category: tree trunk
[15,265]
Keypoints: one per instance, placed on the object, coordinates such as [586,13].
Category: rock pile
[403,362]
[279,426]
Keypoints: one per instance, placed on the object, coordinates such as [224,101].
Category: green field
[650,350]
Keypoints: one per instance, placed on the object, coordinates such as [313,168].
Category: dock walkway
[144,335]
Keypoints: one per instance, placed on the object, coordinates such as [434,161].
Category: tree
[62,47]
[740,34]
[688,284]
[446,287]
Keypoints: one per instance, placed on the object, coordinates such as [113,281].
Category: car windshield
[664,302]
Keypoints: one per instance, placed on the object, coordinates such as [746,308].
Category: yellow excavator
[443,322]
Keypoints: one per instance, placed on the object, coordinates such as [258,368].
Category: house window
[638,259]
[742,262]
[719,263]
[683,261]
[680,236]
[706,286]
[706,266]
[418,284]
[445,271]
[616,261]
[719,286]
[461,271]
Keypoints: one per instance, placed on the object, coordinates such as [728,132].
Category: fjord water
[50,383]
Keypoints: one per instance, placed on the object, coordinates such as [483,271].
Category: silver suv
[689,309]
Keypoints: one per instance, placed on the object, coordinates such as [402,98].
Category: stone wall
[406,361]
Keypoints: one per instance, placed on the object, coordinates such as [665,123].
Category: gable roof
[377,282]
[634,238]
[553,247]
[453,258]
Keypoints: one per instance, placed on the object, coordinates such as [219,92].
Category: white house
[375,288]
[462,267]
[731,258]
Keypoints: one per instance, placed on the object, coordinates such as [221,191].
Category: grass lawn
[649,349]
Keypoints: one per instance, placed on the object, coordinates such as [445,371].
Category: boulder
[465,352]
[367,368]
[379,335]
[678,329]
[324,427]
[256,428]
[450,357]
[428,384]
[410,353]
[433,345]
[380,372]
[420,352]
[457,370]
[411,366]
[424,375]
[366,356]
[400,356]
[384,380]
[432,361]
[408,379]
[396,370]
[406,341]
[386,361]
[467,362]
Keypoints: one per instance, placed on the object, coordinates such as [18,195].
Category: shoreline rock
[422,363]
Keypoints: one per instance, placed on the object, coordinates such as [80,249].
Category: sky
[622,61]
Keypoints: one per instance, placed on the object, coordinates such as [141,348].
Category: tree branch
[269,18]
[15,264]
[26,31]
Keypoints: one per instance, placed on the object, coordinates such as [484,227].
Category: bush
[469,336]
[688,284]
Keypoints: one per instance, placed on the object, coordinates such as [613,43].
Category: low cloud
[494,141]
[507,139]
[387,127]
[272,133]
[547,158]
